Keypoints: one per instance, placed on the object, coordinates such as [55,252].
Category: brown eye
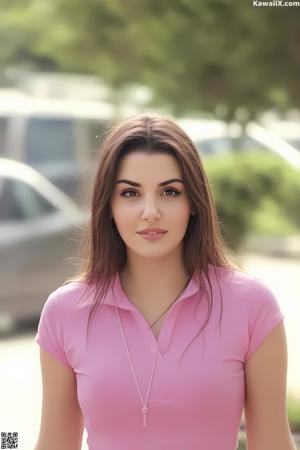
[172,190]
[126,192]
[130,191]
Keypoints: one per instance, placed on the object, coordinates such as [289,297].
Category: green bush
[242,445]
[241,183]
[293,408]
[269,219]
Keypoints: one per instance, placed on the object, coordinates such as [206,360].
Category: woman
[160,342]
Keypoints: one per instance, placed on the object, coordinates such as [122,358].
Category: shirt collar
[118,297]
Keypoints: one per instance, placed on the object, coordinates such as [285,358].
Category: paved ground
[20,382]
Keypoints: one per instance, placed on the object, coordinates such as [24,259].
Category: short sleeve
[50,335]
[264,315]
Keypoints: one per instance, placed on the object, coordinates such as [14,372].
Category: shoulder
[251,308]
[245,287]
[245,297]
[68,298]
[255,301]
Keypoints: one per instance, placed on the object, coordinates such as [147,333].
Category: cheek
[117,206]
[180,212]
[123,215]
[183,220]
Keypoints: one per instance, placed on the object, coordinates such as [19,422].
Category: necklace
[144,403]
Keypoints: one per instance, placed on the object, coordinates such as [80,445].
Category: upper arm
[61,414]
[265,404]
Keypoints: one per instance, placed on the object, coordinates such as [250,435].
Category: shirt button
[153,349]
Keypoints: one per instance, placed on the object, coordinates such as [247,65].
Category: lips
[152,236]
[152,231]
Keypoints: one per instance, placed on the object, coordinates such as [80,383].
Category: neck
[154,282]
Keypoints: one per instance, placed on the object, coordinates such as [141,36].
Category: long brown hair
[102,248]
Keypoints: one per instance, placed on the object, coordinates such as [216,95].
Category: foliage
[242,182]
[269,219]
[196,55]
[293,408]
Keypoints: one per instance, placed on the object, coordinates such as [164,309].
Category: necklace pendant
[144,411]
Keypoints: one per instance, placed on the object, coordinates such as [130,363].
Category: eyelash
[131,190]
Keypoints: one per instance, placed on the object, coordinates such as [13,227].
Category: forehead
[154,166]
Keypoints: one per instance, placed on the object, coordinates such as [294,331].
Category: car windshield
[19,201]
[49,139]
[214,145]
[3,126]
[220,145]
[295,142]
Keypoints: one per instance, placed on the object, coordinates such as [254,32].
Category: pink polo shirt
[194,403]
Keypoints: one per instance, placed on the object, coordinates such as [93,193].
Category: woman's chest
[111,383]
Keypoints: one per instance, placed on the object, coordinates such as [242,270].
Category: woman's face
[149,204]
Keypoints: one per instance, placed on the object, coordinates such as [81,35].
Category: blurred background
[228,72]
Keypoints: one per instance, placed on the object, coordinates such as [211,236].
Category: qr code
[9,440]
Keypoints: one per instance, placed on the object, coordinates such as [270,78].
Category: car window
[221,145]
[294,142]
[95,132]
[214,145]
[3,127]
[49,139]
[247,143]
[19,201]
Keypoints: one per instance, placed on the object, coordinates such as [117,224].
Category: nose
[150,210]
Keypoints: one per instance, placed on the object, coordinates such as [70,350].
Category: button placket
[166,330]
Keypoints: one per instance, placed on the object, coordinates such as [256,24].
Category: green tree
[196,55]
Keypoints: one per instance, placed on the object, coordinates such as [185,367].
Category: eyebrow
[163,183]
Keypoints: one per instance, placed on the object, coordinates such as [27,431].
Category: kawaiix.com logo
[276,3]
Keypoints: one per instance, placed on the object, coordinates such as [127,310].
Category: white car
[286,129]
[215,137]
[57,137]
[40,229]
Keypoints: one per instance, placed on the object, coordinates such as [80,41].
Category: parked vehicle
[286,129]
[215,137]
[59,138]
[40,229]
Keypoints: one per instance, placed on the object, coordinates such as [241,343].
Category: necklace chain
[144,403]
